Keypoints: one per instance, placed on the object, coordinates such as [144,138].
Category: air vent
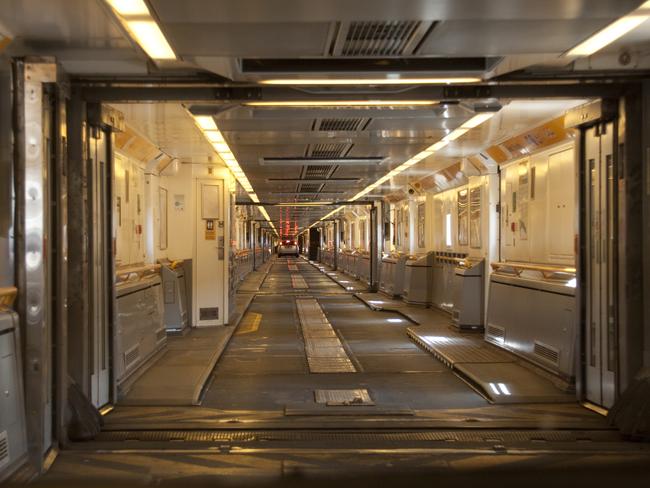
[131,356]
[393,38]
[4,449]
[209,313]
[309,188]
[495,333]
[325,151]
[321,171]
[347,124]
[547,353]
[161,335]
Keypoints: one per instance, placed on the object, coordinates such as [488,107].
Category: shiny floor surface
[260,421]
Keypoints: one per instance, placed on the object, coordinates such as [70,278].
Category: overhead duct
[319,161]
[379,38]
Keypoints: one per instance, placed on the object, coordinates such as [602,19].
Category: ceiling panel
[505,37]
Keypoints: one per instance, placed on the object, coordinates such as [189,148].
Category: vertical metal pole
[33,272]
[375,234]
[337,236]
[59,188]
[253,243]
[78,224]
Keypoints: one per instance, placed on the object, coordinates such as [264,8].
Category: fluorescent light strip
[609,34]
[211,132]
[136,17]
[475,121]
[372,81]
[343,103]
[129,7]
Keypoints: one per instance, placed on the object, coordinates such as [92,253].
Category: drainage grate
[547,353]
[343,397]
[459,435]
[347,124]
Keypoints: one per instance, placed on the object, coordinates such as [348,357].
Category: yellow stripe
[250,323]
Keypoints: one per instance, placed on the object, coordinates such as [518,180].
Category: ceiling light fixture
[475,121]
[343,103]
[135,16]
[129,7]
[209,128]
[372,81]
[612,32]
[303,204]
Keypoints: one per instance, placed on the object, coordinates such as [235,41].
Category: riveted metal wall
[32,149]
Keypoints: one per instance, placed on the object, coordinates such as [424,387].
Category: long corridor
[265,366]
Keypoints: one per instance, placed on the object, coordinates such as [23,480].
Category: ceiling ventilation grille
[309,188]
[348,124]
[392,38]
[325,151]
[320,171]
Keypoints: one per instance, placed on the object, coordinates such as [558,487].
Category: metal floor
[259,419]
[266,369]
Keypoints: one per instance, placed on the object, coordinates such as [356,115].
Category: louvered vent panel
[496,334]
[309,188]
[161,334]
[318,171]
[379,38]
[348,124]
[131,356]
[4,448]
[548,353]
[324,151]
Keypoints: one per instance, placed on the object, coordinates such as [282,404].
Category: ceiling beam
[198,94]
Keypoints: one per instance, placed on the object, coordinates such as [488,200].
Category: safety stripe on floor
[297,281]
[325,353]
[292,267]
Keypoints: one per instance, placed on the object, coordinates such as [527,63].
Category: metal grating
[4,448]
[458,435]
[131,356]
[297,281]
[329,150]
[347,124]
[343,397]
[318,171]
[495,333]
[378,38]
[161,334]
[325,354]
[547,353]
[310,188]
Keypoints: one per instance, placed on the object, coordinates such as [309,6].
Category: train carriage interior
[291,242]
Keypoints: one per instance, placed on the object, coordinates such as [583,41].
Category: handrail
[140,270]
[7,296]
[546,270]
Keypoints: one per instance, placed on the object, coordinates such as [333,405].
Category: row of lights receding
[475,121]
[212,133]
